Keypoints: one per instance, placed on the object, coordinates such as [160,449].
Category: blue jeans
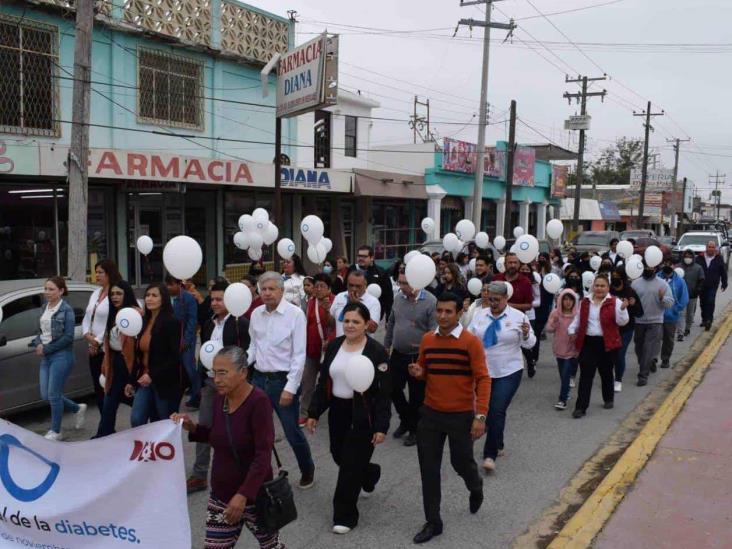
[188,358]
[149,405]
[567,368]
[626,338]
[115,395]
[289,416]
[502,391]
[55,369]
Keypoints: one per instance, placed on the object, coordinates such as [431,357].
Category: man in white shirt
[277,353]
[356,284]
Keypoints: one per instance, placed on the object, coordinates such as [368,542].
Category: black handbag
[275,501]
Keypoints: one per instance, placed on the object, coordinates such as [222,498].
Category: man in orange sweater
[452,364]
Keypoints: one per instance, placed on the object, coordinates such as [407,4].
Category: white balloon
[312,228]
[285,248]
[428,225]
[475,285]
[653,256]
[420,271]
[624,249]
[317,253]
[595,262]
[552,283]
[237,299]
[359,373]
[509,289]
[501,264]
[465,230]
[270,233]
[499,242]
[482,240]
[518,231]
[182,257]
[527,248]
[637,257]
[241,240]
[634,268]
[588,277]
[471,265]
[679,272]
[209,350]
[260,214]
[513,248]
[411,255]
[255,241]
[144,244]
[261,226]
[255,254]
[327,244]
[374,290]
[129,321]
[451,242]
[246,223]
[554,229]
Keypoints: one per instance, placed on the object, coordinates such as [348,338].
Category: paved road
[544,449]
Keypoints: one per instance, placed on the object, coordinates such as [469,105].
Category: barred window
[28,86]
[170,89]
[351,136]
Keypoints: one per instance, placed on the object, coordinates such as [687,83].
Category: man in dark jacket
[694,279]
[185,310]
[229,330]
[715,271]
[375,275]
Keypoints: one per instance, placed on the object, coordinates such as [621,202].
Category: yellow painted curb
[587,522]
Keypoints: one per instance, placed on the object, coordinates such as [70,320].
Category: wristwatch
[480,417]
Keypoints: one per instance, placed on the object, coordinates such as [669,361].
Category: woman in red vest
[597,327]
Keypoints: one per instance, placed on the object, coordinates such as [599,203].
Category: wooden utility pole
[582,100]
[644,170]
[79,151]
[509,171]
[716,193]
[674,223]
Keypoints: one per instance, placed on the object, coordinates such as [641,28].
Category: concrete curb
[587,522]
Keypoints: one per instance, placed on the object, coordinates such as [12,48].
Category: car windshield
[696,239]
[593,240]
[634,234]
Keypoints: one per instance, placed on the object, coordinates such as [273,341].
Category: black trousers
[351,448]
[434,427]
[408,410]
[95,370]
[594,357]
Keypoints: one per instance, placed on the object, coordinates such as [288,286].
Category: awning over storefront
[589,209]
[389,185]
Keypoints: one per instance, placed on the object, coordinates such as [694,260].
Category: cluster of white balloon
[255,231]
[319,246]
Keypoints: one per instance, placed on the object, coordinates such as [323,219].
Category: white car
[696,241]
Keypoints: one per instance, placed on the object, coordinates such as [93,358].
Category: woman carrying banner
[242,436]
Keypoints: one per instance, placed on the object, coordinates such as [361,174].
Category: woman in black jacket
[356,422]
[158,376]
[620,287]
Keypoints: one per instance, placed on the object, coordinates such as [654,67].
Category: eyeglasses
[363,256]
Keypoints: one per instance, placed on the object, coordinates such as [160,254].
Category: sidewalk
[683,496]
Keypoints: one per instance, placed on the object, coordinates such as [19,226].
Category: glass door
[145,217]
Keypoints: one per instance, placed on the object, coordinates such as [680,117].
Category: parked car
[643,242]
[21,302]
[637,233]
[594,241]
[696,241]
[667,240]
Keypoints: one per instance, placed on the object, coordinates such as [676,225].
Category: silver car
[21,302]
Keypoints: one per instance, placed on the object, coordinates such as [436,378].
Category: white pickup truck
[696,241]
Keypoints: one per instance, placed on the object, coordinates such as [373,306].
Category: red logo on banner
[152,451]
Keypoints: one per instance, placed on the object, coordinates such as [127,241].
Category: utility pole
[483,118]
[77,162]
[419,123]
[674,224]
[680,226]
[509,170]
[644,171]
[717,193]
[582,99]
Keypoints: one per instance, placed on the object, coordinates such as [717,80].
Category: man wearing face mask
[656,296]
[671,316]
[694,280]
[715,272]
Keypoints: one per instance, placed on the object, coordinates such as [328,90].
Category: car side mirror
[3,341]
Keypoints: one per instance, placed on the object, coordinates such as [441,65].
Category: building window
[322,139]
[170,90]
[28,87]
[351,136]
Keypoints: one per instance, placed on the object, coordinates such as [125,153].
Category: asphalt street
[544,449]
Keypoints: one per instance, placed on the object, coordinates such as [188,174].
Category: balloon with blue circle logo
[285,248]
[129,321]
[209,350]
[527,248]
[312,229]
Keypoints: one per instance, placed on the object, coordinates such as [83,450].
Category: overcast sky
[691,83]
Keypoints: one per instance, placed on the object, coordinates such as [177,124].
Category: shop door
[145,217]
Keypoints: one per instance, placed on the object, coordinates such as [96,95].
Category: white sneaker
[489,465]
[571,382]
[338,529]
[80,416]
[618,386]
[53,435]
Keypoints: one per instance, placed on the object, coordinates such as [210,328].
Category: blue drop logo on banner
[19,493]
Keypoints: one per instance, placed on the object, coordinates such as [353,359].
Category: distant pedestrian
[715,273]
[451,280]
[532,357]
[374,275]
[620,287]
[694,280]
[294,276]
[565,350]
[356,292]
[672,315]
[185,310]
[250,282]
[523,293]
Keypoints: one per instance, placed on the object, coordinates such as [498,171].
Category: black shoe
[401,431]
[427,532]
[410,439]
[642,383]
[532,369]
[665,364]
[476,500]
[687,332]
[578,414]
[373,475]
[679,338]
[653,366]
[707,326]
[609,405]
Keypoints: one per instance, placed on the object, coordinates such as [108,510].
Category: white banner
[124,490]
[657,179]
